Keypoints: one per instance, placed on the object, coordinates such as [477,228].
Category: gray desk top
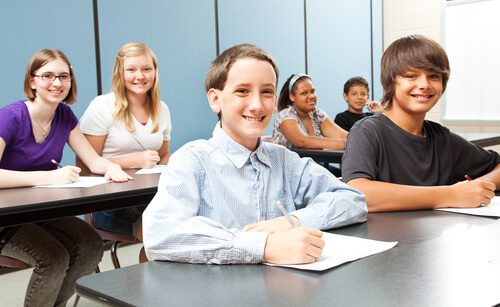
[442,259]
[483,139]
[27,205]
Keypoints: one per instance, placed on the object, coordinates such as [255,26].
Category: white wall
[407,17]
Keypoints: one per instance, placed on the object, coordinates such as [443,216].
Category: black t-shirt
[347,119]
[378,149]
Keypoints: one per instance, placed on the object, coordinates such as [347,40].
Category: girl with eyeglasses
[33,132]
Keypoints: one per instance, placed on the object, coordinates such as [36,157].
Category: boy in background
[356,94]
[402,161]
[216,201]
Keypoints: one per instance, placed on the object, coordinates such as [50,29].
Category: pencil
[285,213]
[56,163]
[142,146]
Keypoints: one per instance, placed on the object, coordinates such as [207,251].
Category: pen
[285,213]
[142,146]
[56,163]
[470,179]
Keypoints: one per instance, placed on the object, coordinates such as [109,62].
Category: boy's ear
[213,100]
[345,96]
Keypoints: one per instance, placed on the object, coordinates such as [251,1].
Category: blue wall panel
[27,26]
[339,47]
[261,22]
[182,35]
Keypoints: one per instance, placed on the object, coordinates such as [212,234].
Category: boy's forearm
[218,245]
[383,196]
[333,209]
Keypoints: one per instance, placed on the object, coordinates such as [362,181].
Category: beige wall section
[422,17]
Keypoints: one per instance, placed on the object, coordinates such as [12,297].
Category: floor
[13,284]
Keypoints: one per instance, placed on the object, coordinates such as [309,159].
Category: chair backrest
[109,235]
[9,262]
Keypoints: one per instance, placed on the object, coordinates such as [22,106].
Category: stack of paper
[83,182]
[154,170]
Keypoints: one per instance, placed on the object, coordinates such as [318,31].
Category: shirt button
[248,259]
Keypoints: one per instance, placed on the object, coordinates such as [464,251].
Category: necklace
[46,129]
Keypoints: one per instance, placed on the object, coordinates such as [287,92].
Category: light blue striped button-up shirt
[212,188]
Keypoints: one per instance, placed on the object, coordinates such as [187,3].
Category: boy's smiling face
[356,98]
[417,91]
[247,101]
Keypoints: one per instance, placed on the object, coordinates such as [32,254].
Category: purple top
[22,153]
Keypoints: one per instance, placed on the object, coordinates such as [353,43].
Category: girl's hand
[67,174]
[115,173]
[148,158]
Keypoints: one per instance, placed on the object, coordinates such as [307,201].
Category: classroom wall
[330,40]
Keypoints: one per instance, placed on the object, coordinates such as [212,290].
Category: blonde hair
[39,59]
[122,112]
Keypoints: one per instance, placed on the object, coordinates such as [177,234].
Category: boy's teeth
[253,119]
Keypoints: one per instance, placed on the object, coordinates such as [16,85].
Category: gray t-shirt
[378,149]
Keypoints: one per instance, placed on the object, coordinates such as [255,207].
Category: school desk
[28,205]
[321,155]
[442,259]
[483,139]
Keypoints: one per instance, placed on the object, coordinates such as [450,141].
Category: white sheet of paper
[493,209]
[154,170]
[83,182]
[340,249]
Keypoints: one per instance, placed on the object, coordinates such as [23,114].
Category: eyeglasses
[48,76]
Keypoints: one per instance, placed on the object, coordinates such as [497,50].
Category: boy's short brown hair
[217,73]
[413,51]
[38,60]
[360,81]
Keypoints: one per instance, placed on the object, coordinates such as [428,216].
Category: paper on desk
[154,170]
[340,249]
[83,182]
[493,209]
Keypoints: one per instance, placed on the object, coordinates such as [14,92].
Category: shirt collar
[237,153]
